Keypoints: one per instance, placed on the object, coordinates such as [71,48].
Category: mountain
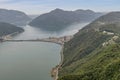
[33,16]
[59,19]
[6,28]
[110,17]
[94,52]
[14,17]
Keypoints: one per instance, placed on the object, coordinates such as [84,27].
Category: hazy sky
[42,6]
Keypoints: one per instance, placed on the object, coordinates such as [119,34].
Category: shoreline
[55,70]
[10,36]
[60,41]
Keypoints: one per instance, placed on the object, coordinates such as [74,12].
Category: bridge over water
[60,40]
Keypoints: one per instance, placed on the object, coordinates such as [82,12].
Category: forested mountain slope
[94,52]
[59,19]
[6,28]
[14,17]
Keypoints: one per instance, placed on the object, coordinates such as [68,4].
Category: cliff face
[6,28]
[59,19]
[94,52]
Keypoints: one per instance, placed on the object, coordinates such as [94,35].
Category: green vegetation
[58,19]
[83,44]
[85,56]
[14,17]
[105,65]
[114,28]
[111,17]
[6,29]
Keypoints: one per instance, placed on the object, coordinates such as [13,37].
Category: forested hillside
[6,28]
[14,17]
[59,19]
[94,52]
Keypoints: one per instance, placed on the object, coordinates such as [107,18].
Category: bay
[31,60]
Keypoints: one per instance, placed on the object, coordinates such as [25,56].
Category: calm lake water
[28,60]
[31,60]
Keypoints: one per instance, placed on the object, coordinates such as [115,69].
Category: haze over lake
[34,33]
[31,60]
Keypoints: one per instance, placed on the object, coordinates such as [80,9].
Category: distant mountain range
[59,19]
[94,52]
[14,17]
[6,29]
[33,16]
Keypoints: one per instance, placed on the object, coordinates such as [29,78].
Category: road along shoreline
[55,70]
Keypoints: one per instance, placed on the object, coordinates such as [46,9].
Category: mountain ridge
[59,19]
[14,17]
[93,53]
[6,29]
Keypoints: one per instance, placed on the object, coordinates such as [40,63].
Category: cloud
[42,6]
[4,0]
[25,6]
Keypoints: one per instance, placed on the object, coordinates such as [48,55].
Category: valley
[67,45]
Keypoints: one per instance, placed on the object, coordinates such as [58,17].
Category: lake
[31,60]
